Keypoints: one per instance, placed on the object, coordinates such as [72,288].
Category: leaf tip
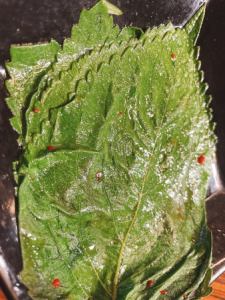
[193,27]
[112,9]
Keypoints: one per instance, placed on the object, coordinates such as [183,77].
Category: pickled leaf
[111,189]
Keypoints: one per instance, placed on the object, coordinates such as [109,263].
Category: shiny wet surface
[37,21]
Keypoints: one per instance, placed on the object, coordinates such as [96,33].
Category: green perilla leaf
[111,191]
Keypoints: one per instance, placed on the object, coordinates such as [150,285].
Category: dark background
[30,21]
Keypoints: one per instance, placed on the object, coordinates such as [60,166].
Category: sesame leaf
[115,167]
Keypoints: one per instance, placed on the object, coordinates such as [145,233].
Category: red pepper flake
[173,57]
[36,110]
[150,284]
[99,176]
[201,159]
[56,282]
[164,292]
[51,148]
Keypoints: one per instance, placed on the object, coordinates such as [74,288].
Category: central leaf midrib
[124,242]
